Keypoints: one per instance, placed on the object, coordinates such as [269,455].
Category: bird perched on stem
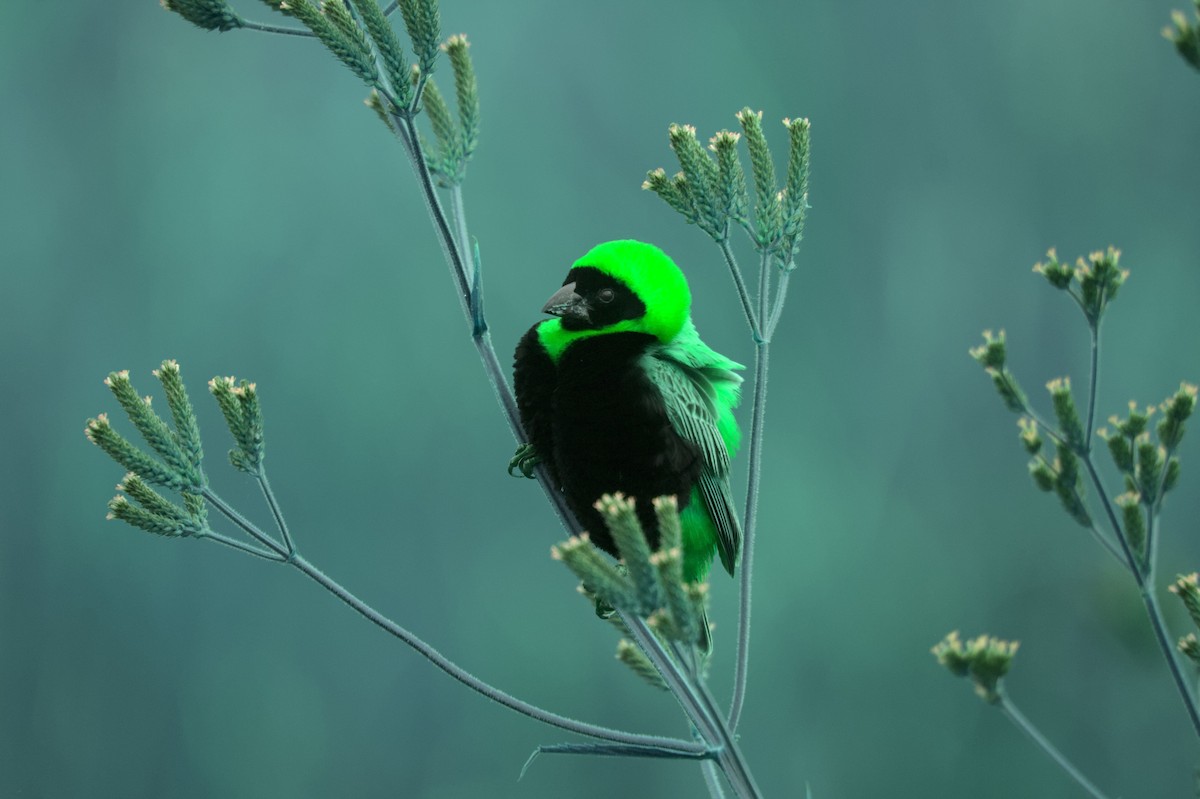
[618,393]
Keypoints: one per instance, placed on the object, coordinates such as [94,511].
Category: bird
[617,393]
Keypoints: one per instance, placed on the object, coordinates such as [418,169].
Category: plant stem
[654,742]
[712,779]
[264,28]
[242,546]
[1168,649]
[758,415]
[743,295]
[1121,550]
[764,288]
[276,511]
[1093,382]
[247,526]
[1026,726]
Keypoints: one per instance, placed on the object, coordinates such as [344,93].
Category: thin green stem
[458,211]
[777,309]
[276,511]
[743,295]
[1146,588]
[249,549]
[1182,682]
[654,742]
[1127,551]
[764,291]
[712,779]
[249,527]
[1093,382]
[1112,548]
[1151,560]
[264,28]
[392,6]
[730,756]
[758,417]
[1123,553]
[1026,726]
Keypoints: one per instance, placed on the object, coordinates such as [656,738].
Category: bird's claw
[525,460]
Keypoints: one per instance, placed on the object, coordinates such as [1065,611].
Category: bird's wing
[699,393]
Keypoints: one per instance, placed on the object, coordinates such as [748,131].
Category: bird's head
[619,286]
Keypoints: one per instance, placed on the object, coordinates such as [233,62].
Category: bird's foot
[525,460]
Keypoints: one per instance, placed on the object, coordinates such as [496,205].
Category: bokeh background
[227,201]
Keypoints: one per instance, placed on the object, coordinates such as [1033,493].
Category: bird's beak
[567,304]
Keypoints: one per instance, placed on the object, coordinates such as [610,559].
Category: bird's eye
[606,295]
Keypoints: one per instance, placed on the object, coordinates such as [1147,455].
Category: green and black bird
[618,393]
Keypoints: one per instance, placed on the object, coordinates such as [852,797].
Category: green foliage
[243,415]
[423,22]
[984,659]
[177,465]
[456,135]
[629,654]
[387,44]
[211,15]
[710,190]
[646,583]
[1185,35]
[340,34]
[1065,411]
[1148,468]
[153,512]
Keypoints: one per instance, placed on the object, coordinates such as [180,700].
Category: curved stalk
[264,28]
[758,416]
[653,742]
[1026,726]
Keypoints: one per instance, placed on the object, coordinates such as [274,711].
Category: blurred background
[227,201]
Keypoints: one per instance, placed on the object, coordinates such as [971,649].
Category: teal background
[225,200]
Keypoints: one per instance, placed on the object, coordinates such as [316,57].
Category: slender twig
[758,417]
[1026,726]
[1104,541]
[654,742]
[672,745]
[712,779]
[392,6]
[780,296]
[758,413]
[764,289]
[249,549]
[276,511]
[1146,589]
[1093,382]
[1165,643]
[743,295]
[241,521]
[458,211]
[264,28]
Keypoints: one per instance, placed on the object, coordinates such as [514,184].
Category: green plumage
[618,392]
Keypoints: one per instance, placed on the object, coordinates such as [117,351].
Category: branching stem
[658,743]
[276,511]
[264,28]
[242,546]
[743,295]
[1026,726]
